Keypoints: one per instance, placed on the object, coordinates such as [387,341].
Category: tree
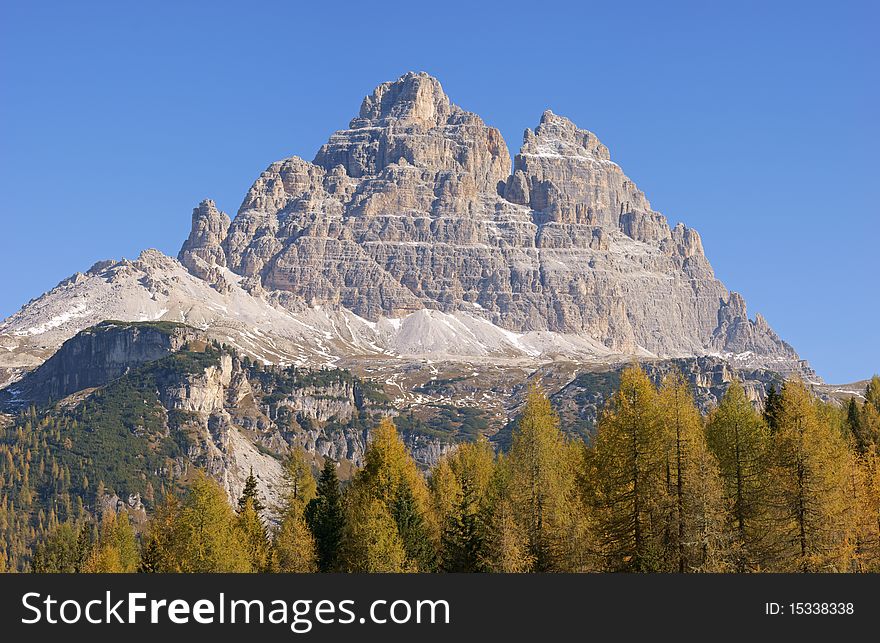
[158,553]
[772,408]
[293,546]
[869,553]
[506,542]
[115,550]
[60,552]
[301,482]
[872,393]
[199,535]
[250,493]
[810,475]
[695,533]
[413,530]
[371,542]
[459,486]
[391,477]
[863,420]
[325,517]
[542,486]
[445,502]
[854,423]
[740,439]
[629,487]
[863,511]
[253,534]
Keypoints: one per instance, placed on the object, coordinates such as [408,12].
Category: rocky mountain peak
[202,253]
[558,136]
[411,120]
[413,98]
[408,235]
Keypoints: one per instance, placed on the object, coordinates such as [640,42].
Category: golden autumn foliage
[657,488]
[808,497]
[628,484]
[739,438]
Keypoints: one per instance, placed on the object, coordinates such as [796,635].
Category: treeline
[659,488]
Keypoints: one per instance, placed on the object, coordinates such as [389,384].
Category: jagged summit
[413,98]
[412,233]
[412,122]
[557,135]
[413,207]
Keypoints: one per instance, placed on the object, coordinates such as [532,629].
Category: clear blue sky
[757,124]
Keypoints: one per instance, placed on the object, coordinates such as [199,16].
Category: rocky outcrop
[204,391]
[202,253]
[96,356]
[210,406]
[415,206]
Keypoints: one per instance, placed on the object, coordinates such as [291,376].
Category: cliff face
[414,206]
[412,238]
[96,356]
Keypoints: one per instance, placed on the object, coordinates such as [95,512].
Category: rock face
[411,239]
[414,206]
[202,252]
[96,356]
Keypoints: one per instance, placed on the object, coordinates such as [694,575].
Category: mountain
[413,208]
[413,261]
[409,238]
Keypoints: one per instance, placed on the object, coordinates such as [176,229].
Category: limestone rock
[414,206]
[98,355]
[410,237]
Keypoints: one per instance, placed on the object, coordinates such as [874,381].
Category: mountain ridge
[412,237]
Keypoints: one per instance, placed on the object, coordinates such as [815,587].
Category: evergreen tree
[325,517]
[772,408]
[740,439]
[250,493]
[459,485]
[864,419]
[854,423]
[413,531]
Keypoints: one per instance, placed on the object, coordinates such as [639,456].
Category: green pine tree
[325,517]
[412,530]
[250,493]
[772,408]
